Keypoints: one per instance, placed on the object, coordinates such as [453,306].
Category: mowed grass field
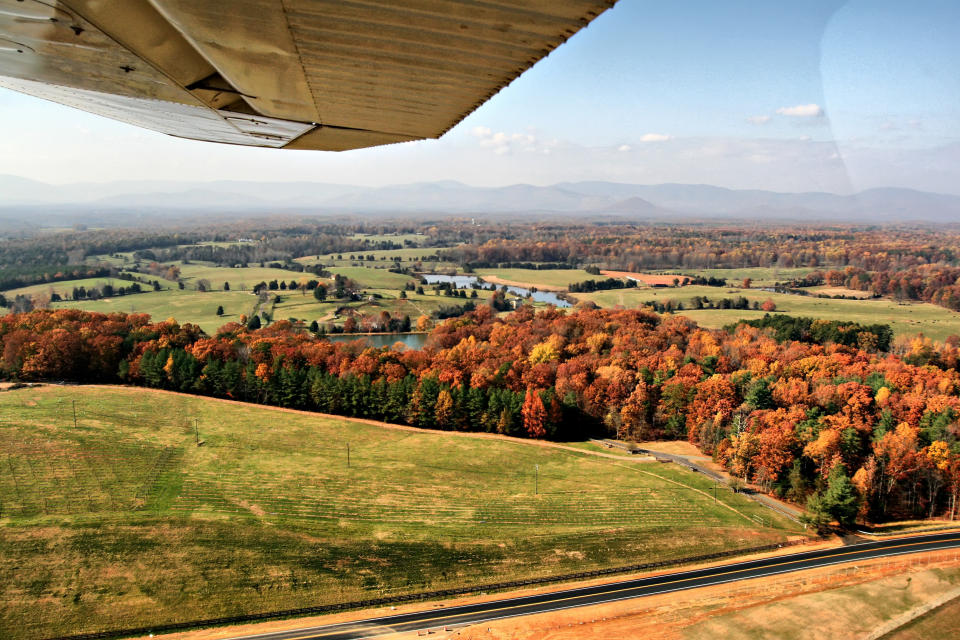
[240,278]
[185,306]
[905,319]
[123,521]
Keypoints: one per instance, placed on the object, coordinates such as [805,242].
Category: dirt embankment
[836,603]
[649,279]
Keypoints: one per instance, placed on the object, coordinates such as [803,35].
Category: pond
[466,282]
[411,340]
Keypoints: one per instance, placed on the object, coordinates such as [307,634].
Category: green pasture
[240,278]
[186,306]
[65,287]
[374,278]
[905,318]
[119,518]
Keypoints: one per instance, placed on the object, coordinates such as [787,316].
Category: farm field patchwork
[269,513]
[381,257]
[399,238]
[305,307]
[761,276]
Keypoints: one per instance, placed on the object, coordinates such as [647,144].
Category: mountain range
[34,202]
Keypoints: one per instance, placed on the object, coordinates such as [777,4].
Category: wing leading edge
[297,74]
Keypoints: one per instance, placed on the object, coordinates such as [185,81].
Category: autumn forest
[847,418]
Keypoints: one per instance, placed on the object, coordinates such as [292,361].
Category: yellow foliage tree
[443,410]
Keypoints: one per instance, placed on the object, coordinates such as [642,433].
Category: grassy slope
[843,613]
[65,287]
[906,319]
[185,306]
[940,624]
[124,521]
[379,278]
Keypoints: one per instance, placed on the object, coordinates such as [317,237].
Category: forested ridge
[857,431]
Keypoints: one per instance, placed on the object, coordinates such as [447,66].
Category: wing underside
[296,74]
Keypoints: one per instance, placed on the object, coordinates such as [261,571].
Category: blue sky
[813,95]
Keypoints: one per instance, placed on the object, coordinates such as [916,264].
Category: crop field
[118,518]
[905,319]
[549,277]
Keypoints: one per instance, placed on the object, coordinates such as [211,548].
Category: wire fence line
[423,595]
[123,474]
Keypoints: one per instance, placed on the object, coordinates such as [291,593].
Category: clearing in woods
[121,519]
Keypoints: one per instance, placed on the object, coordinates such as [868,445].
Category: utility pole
[196,429]
[348,455]
[714,493]
[74,414]
[536,486]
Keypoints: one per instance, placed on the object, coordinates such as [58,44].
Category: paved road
[766,501]
[482,612]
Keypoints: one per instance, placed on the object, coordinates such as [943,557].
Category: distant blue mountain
[634,201]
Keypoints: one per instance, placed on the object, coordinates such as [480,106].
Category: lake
[466,282]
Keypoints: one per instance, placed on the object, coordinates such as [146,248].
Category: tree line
[843,427]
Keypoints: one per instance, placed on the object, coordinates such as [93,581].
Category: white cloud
[655,137]
[503,143]
[624,148]
[758,120]
[802,111]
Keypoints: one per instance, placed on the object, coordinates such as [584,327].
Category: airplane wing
[294,74]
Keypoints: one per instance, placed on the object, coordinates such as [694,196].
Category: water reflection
[410,340]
